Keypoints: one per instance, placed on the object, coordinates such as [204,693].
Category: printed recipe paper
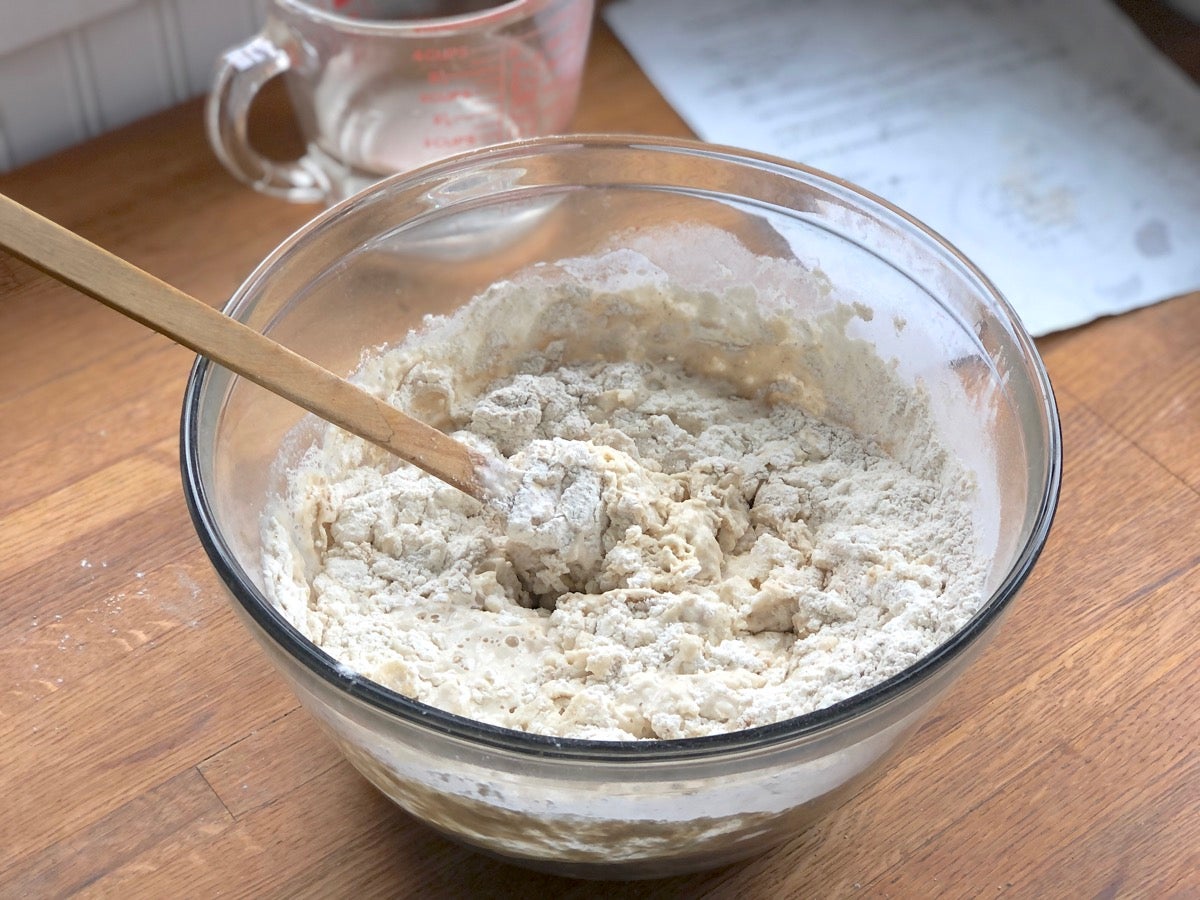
[1049,141]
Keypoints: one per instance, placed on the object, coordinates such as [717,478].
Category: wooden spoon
[67,257]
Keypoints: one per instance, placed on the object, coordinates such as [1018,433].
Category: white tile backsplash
[210,27]
[28,21]
[71,69]
[40,104]
[123,91]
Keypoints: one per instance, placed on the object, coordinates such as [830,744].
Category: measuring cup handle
[241,73]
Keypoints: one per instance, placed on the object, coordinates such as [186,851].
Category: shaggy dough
[695,548]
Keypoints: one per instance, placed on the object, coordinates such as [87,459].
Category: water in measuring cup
[385,128]
[369,124]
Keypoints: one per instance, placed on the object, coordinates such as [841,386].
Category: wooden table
[147,748]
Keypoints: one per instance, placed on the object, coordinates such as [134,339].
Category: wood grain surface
[148,749]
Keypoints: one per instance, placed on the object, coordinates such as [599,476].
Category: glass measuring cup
[383,86]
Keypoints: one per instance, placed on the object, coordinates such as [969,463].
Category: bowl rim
[413,712]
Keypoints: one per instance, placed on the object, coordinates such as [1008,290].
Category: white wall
[71,69]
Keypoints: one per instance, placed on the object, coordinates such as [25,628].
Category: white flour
[707,549]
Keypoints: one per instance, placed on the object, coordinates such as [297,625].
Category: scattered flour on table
[699,545]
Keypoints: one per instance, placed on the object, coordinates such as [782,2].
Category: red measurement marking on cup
[450,96]
[451,141]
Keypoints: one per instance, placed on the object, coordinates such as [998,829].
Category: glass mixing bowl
[365,272]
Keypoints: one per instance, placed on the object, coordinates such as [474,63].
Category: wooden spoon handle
[67,257]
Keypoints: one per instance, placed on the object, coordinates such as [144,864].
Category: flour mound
[728,515]
[555,530]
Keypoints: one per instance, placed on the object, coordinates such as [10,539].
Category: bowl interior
[368,271]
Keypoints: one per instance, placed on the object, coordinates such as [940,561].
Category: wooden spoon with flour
[77,262]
